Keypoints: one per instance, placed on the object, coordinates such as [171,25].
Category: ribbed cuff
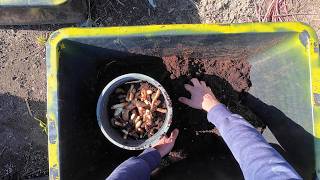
[152,157]
[218,114]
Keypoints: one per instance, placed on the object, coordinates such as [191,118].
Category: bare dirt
[226,11]
[135,12]
[233,68]
[228,76]
[198,139]
[23,146]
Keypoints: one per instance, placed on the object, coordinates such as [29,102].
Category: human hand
[165,144]
[201,96]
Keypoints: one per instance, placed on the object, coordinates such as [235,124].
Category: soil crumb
[177,66]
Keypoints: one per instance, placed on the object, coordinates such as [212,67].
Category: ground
[23,146]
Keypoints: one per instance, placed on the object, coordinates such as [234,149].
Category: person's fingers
[174,134]
[185,101]
[161,140]
[188,87]
[203,84]
[195,82]
[164,137]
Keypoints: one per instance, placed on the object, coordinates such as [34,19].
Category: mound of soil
[233,69]
[228,77]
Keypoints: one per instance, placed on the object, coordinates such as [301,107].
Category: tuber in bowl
[104,112]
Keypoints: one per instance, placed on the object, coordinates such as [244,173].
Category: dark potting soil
[197,143]
[227,76]
[87,150]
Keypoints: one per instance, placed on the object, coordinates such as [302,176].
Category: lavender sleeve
[137,168]
[257,159]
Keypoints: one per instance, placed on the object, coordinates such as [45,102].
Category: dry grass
[281,10]
[42,123]
[41,40]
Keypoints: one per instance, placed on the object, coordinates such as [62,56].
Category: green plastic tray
[285,73]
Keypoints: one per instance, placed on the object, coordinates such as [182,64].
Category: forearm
[257,159]
[137,168]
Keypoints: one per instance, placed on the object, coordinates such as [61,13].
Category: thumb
[185,101]
[174,134]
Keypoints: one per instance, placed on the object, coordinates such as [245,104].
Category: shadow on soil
[40,27]
[23,153]
[112,13]
[139,12]
[85,152]
[297,147]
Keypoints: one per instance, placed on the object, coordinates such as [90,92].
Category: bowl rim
[135,76]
